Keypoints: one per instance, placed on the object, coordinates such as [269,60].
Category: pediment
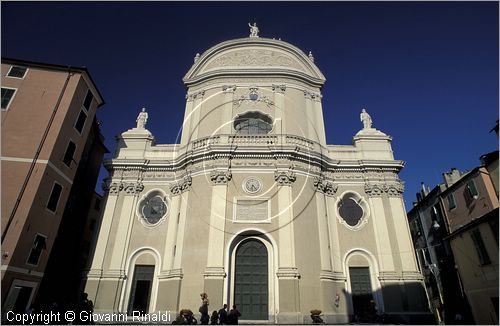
[254,56]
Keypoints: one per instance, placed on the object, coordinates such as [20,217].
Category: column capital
[182,185]
[285,178]
[325,186]
[219,177]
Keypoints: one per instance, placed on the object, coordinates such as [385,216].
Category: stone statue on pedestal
[142,118]
[254,30]
[366,119]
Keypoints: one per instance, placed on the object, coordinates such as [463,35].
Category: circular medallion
[154,209]
[252,185]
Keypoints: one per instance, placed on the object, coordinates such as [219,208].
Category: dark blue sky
[426,71]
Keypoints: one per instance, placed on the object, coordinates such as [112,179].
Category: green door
[362,295]
[251,280]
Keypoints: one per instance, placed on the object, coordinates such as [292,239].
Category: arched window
[253,123]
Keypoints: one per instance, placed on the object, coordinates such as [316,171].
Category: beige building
[253,207]
[471,206]
[47,114]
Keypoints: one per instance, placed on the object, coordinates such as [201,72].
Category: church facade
[253,207]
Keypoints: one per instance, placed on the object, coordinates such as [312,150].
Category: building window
[54,197]
[17,72]
[451,201]
[484,259]
[350,211]
[38,245]
[70,151]
[253,123]
[7,95]
[472,190]
[80,122]
[88,100]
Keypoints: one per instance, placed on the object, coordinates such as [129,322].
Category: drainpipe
[35,158]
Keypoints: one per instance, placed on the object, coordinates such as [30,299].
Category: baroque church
[253,207]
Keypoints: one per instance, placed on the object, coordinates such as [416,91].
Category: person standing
[223,315]
[205,318]
[233,316]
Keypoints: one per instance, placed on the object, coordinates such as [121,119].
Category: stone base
[289,318]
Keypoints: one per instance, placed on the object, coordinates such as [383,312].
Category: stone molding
[288,273]
[219,177]
[332,276]
[215,273]
[182,185]
[285,178]
[325,186]
[171,274]
[400,276]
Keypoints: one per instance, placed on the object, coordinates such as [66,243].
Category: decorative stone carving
[253,97]
[325,186]
[229,89]
[133,188]
[115,187]
[183,185]
[312,96]
[196,57]
[374,189]
[218,177]
[194,96]
[254,57]
[279,88]
[394,189]
[284,178]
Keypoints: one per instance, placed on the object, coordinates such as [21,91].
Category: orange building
[48,112]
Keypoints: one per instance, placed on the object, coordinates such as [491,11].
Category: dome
[254,56]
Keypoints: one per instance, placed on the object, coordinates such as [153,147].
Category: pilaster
[227,109]
[377,213]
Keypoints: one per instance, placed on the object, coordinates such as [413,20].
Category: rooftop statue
[366,119]
[254,30]
[142,118]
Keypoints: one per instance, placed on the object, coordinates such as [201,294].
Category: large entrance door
[140,292]
[251,280]
[362,296]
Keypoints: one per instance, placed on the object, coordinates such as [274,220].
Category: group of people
[222,317]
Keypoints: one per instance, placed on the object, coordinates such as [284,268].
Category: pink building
[47,114]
